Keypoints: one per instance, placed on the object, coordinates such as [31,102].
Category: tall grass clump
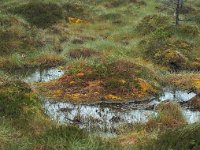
[169,116]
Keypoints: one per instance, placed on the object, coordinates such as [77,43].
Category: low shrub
[118,3]
[197,19]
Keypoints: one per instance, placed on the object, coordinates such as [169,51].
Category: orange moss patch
[78,89]
[103,81]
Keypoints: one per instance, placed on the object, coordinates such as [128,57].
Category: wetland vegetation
[99,74]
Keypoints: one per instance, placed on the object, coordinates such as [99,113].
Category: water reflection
[95,117]
[103,118]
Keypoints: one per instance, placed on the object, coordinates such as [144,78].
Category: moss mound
[100,80]
[173,59]
[41,14]
[163,48]
[150,23]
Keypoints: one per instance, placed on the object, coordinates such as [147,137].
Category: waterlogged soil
[105,117]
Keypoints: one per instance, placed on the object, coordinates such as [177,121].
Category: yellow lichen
[56,93]
[73,20]
[112,97]
[123,81]
[74,96]
[196,83]
[71,82]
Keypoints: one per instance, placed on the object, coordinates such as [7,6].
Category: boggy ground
[120,52]
[110,50]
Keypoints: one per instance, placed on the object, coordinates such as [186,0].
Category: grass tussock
[169,116]
[41,14]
